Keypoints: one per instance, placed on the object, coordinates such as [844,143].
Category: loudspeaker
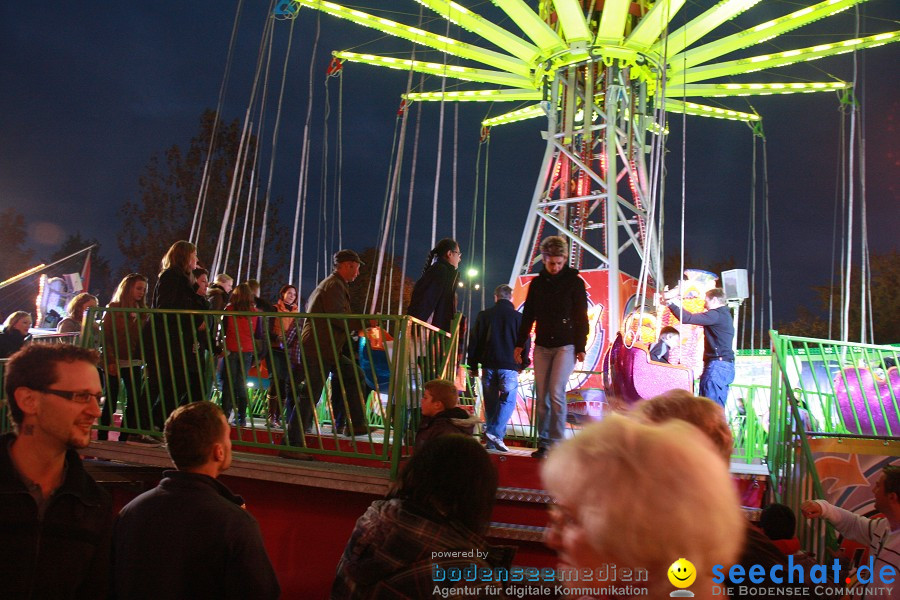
[734,283]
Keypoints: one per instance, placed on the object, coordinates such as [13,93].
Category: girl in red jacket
[239,336]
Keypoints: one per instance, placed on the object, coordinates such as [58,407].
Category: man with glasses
[55,521]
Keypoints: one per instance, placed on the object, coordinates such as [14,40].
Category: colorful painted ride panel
[869,404]
[597,284]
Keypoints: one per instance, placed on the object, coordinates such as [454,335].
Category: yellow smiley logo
[682,573]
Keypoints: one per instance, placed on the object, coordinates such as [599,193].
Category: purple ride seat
[633,376]
[857,388]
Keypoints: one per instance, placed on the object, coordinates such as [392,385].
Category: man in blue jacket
[718,337]
[492,345]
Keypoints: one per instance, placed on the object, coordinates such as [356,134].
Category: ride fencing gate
[827,395]
[265,369]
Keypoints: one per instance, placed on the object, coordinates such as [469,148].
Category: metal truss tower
[604,74]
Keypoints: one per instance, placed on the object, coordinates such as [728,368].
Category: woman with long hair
[15,333]
[434,295]
[123,355]
[239,344]
[75,310]
[279,375]
[435,515]
[173,336]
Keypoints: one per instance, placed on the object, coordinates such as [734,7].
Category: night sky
[90,91]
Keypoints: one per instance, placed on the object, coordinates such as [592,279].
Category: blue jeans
[714,381]
[499,386]
[552,368]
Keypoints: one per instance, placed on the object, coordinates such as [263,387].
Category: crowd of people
[628,491]
[639,490]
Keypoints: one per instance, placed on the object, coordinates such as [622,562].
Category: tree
[15,258]
[100,284]
[169,187]
[361,291]
[885,315]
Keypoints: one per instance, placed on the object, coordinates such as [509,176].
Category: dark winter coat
[217,297]
[190,537]
[558,304]
[11,341]
[493,339]
[434,295]
[63,555]
[454,420]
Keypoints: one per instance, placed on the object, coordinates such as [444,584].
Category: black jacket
[63,555]
[493,338]
[456,420]
[189,537]
[11,341]
[558,304]
[174,290]
[217,296]
[434,295]
[718,330]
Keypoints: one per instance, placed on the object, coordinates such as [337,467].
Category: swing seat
[633,376]
[868,404]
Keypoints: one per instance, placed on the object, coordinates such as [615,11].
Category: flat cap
[347,256]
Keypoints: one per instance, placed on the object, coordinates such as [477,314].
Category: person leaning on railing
[433,297]
[75,310]
[123,355]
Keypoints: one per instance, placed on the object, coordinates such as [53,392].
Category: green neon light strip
[477,24]
[419,36]
[720,90]
[654,22]
[700,110]
[532,25]
[781,59]
[529,112]
[760,33]
[612,22]
[451,71]
[571,17]
[685,36]
[475,96]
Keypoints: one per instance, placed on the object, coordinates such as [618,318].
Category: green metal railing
[748,429]
[268,368]
[820,389]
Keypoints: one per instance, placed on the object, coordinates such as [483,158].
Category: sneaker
[290,454]
[144,440]
[539,453]
[497,442]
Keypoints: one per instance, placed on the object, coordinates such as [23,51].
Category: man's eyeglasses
[77,397]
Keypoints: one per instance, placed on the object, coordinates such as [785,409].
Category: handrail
[267,367]
[828,377]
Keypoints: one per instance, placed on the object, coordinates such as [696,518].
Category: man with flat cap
[319,350]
